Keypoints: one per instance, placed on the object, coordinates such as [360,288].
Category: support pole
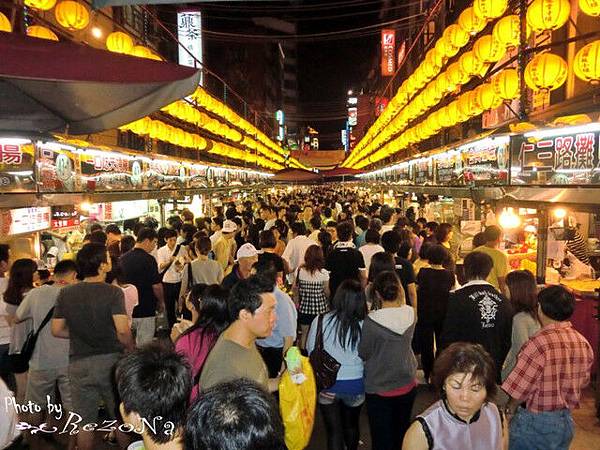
[542,245]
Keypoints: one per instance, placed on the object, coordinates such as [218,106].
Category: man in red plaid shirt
[552,368]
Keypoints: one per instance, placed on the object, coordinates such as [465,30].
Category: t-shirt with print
[141,270]
[343,263]
[88,309]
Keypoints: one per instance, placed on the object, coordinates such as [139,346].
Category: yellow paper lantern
[544,15]
[470,22]
[546,72]
[40,32]
[507,31]
[140,51]
[488,50]
[456,75]
[587,63]
[119,42]
[506,84]
[5,23]
[464,104]
[440,48]
[456,36]
[486,98]
[470,64]
[72,15]
[155,129]
[444,118]
[455,114]
[42,5]
[489,9]
[590,7]
[434,59]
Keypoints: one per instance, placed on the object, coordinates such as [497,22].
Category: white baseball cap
[247,251]
[229,226]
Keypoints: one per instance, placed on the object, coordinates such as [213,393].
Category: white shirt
[215,237]
[163,256]
[295,250]
[368,250]
[4,326]
[385,228]
[8,424]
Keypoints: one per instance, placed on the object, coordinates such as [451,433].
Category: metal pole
[522,59]
[542,245]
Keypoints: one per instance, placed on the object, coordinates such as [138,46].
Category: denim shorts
[350,400]
[552,430]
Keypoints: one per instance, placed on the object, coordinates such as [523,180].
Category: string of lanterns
[75,16]
[545,72]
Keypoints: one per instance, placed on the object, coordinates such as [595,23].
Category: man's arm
[59,328]
[160,296]
[412,296]
[123,331]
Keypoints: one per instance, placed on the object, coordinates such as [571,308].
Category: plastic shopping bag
[297,406]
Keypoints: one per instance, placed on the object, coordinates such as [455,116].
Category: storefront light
[560,213]
[97,32]
[85,206]
[509,219]
[539,134]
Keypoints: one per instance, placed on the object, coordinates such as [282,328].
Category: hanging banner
[422,171]
[448,168]
[24,220]
[558,159]
[189,33]
[64,217]
[388,50]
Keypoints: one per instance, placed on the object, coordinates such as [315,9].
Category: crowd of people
[373,286]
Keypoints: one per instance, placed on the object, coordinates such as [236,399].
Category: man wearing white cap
[247,255]
[225,246]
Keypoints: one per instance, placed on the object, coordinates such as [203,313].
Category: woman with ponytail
[390,364]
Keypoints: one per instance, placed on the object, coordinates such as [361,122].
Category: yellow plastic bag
[297,406]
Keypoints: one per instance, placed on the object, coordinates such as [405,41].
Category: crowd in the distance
[372,285]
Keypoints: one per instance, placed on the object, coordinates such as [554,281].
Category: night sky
[327,67]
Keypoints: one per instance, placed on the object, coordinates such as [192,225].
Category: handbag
[19,362]
[324,365]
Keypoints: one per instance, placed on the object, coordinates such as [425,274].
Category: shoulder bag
[164,271]
[19,362]
[324,365]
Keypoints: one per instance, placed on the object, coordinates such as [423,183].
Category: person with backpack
[49,363]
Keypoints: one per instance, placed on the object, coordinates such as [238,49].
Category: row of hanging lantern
[156,129]
[504,86]
[546,71]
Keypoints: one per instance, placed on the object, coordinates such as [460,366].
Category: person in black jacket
[478,313]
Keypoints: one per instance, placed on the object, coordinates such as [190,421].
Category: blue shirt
[351,364]
[285,324]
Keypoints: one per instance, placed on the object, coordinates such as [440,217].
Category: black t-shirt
[433,292]
[275,259]
[88,309]
[406,273]
[141,270]
[343,264]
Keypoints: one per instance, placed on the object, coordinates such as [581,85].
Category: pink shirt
[195,346]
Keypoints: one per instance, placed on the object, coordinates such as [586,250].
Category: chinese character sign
[388,49]
[189,33]
[563,159]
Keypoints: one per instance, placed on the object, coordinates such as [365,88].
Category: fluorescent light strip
[550,132]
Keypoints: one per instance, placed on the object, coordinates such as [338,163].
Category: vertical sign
[401,54]
[189,33]
[388,48]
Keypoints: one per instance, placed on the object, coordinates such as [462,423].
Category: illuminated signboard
[486,161]
[558,158]
[189,33]
[388,50]
[64,216]
[16,165]
[25,220]
[352,116]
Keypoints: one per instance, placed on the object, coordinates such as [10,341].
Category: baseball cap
[229,226]
[247,251]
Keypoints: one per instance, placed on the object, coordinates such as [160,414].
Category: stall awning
[66,87]
[296,176]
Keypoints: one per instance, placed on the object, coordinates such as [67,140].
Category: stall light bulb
[97,32]
[85,206]
[560,213]
[508,219]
